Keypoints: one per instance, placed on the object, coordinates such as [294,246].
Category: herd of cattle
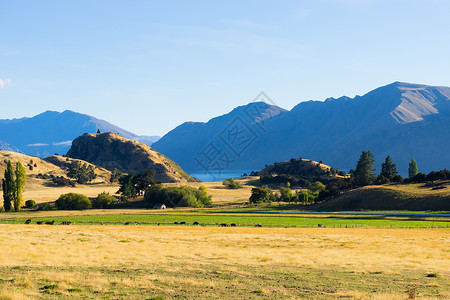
[135,223]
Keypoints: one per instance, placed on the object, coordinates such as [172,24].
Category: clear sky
[148,66]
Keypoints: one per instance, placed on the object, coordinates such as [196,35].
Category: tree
[262,194]
[104,200]
[8,186]
[412,170]
[73,201]
[364,173]
[132,185]
[316,187]
[388,168]
[19,185]
[127,188]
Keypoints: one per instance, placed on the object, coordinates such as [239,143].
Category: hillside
[110,150]
[414,197]
[42,190]
[402,120]
[38,165]
[52,132]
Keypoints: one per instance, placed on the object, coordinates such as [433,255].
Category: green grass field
[248,220]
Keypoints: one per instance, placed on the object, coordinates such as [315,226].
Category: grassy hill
[416,197]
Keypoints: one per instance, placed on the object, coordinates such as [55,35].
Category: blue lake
[217,175]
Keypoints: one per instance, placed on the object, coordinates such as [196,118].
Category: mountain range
[53,132]
[402,120]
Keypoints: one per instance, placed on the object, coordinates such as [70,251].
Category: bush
[397,178]
[30,203]
[73,201]
[104,200]
[182,196]
[62,181]
[231,183]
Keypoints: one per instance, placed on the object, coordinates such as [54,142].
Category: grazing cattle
[175,223]
[195,223]
[28,221]
[158,224]
[39,222]
[224,225]
[182,223]
[127,223]
[319,225]
[258,225]
[101,223]
[233,225]
[66,223]
[50,223]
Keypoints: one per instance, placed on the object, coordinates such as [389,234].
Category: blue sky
[148,66]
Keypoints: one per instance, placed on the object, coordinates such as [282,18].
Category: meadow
[291,257]
[166,262]
[215,218]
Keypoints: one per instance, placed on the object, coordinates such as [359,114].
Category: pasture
[165,262]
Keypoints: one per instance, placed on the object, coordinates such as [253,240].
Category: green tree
[127,188]
[388,168]
[412,170]
[316,187]
[261,194]
[73,201]
[104,200]
[8,187]
[364,173]
[19,185]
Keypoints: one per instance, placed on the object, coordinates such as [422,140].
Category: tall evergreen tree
[412,170]
[8,186]
[19,185]
[388,168]
[364,173]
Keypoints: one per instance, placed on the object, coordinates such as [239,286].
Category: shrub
[397,178]
[62,181]
[30,203]
[177,196]
[104,200]
[382,180]
[231,183]
[73,201]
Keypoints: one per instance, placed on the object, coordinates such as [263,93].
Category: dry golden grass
[205,262]
[40,193]
[360,250]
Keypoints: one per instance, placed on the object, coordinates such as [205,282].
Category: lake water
[217,175]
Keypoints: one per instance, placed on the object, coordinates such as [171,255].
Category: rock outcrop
[110,150]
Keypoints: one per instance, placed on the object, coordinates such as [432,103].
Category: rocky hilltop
[110,150]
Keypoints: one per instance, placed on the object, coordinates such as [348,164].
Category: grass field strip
[237,220]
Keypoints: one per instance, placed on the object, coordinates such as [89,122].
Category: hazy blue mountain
[222,141]
[402,120]
[53,132]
